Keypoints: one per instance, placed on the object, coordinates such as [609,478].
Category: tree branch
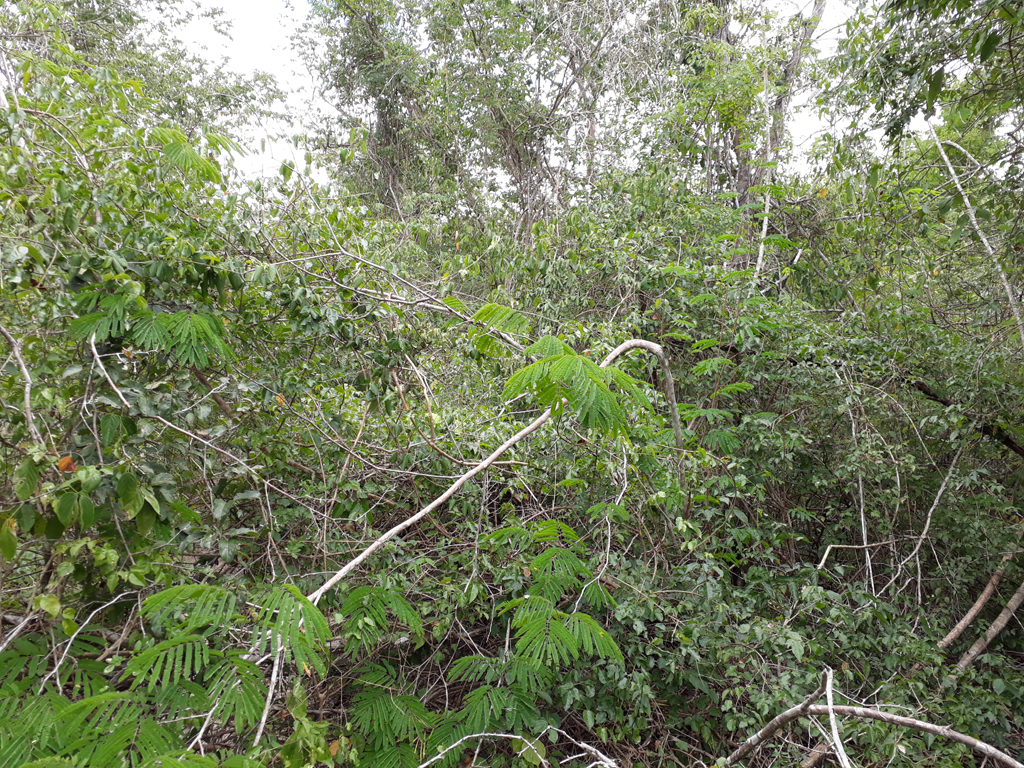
[997,626]
[29,421]
[989,430]
[533,426]
[908,722]
[776,724]
[983,598]
[225,408]
[981,235]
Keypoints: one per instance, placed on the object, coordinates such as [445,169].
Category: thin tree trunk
[983,598]
[997,626]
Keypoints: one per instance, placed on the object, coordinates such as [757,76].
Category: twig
[608,522]
[764,235]
[486,735]
[199,736]
[190,435]
[17,630]
[533,426]
[270,694]
[908,722]
[755,741]
[928,520]
[71,639]
[830,547]
[863,516]
[29,421]
[981,235]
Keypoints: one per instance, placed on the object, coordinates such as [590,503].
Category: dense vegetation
[547,416]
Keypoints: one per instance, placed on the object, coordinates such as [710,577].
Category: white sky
[260,32]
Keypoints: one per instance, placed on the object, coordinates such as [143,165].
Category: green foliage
[300,367]
[562,377]
[366,621]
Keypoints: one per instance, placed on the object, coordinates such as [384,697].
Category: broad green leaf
[50,604]
[26,479]
[64,506]
[88,511]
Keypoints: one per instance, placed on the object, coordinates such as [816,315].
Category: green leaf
[65,508]
[50,604]
[25,514]
[110,428]
[53,528]
[532,751]
[8,540]
[145,520]
[87,511]
[26,478]
[128,493]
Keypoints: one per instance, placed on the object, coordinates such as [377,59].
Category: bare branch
[776,724]
[983,598]
[1011,300]
[837,741]
[270,693]
[908,722]
[530,428]
[997,626]
[928,520]
[29,421]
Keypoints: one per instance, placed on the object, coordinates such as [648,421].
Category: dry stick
[270,694]
[17,630]
[837,741]
[777,723]
[492,735]
[981,235]
[983,598]
[764,234]
[830,547]
[908,722]
[997,626]
[533,426]
[29,421]
[863,517]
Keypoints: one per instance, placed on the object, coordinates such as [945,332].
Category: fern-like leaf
[293,623]
[197,605]
[236,685]
[366,610]
[169,661]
